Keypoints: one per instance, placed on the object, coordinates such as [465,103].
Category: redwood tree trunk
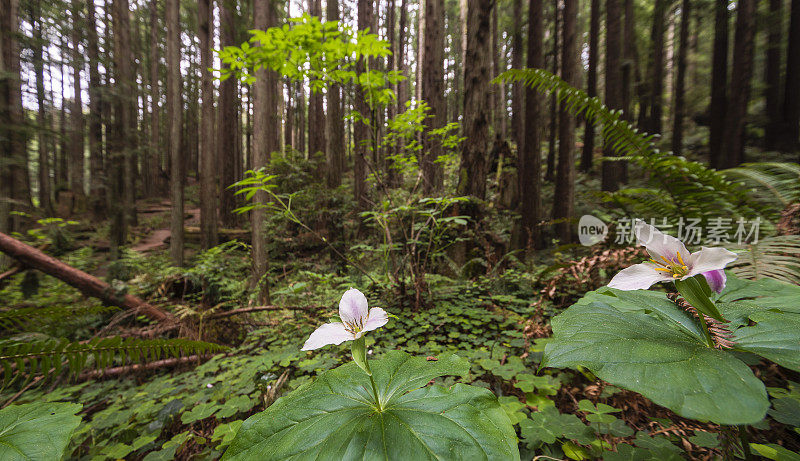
[612,171]
[76,179]
[591,83]
[656,72]
[174,117]
[208,158]
[477,63]
[334,123]
[361,134]
[316,113]
[733,138]
[97,184]
[228,125]
[680,80]
[772,75]
[517,93]
[719,83]
[530,163]
[791,94]
[564,202]
[433,94]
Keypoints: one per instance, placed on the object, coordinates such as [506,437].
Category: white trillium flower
[670,261]
[357,318]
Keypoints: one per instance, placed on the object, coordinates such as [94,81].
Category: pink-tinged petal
[353,308]
[658,243]
[377,318]
[710,259]
[638,277]
[716,280]
[329,333]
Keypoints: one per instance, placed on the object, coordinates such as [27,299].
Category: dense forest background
[187,188]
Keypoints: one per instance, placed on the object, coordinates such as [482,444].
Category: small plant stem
[743,439]
[375,393]
[704,325]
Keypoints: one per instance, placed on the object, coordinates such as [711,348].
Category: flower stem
[375,393]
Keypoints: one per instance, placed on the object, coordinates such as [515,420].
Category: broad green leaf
[775,452]
[335,417]
[37,431]
[775,336]
[766,293]
[657,359]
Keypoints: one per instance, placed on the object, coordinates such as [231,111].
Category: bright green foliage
[37,431]
[35,357]
[641,341]
[336,417]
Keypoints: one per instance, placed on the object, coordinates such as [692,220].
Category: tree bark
[174,117]
[719,83]
[228,124]
[334,123]
[518,95]
[550,169]
[97,184]
[656,71]
[156,157]
[733,138]
[564,203]
[433,94]
[612,171]
[85,283]
[76,179]
[791,93]
[529,162]
[266,126]
[772,75]
[208,158]
[43,141]
[472,176]
[316,113]
[680,80]
[587,154]
[361,135]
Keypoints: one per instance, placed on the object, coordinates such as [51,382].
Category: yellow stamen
[663,270]
[675,276]
[681,260]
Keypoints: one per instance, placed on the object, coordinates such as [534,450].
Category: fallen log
[87,284]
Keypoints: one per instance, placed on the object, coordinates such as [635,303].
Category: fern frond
[773,257]
[772,181]
[50,357]
[26,318]
[691,188]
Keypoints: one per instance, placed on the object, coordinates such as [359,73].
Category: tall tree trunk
[518,95]
[564,205]
[733,138]
[680,80]
[174,117]
[316,113]
[530,159]
[208,158]
[719,83]
[228,123]
[591,83]
[656,71]
[553,124]
[14,181]
[126,87]
[288,126]
[76,180]
[97,183]
[772,75]
[361,135]
[155,151]
[612,171]
[472,176]
[62,164]
[334,123]
[791,93]
[402,89]
[266,126]
[498,90]
[433,94]
[301,117]
[43,138]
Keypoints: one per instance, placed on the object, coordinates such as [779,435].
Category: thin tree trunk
[361,135]
[266,126]
[591,83]
[518,95]
[174,117]
[228,125]
[564,204]
[733,138]
[719,83]
[301,118]
[433,94]
[334,123]
[529,162]
[551,145]
[97,184]
[612,175]
[316,113]
[656,78]
[76,179]
[680,80]
[156,161]
[45,201]
[288,126]
[208,158]
[472,176]
[772,75]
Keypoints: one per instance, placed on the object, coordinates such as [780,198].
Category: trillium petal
[716,279]
[329,333]
[353,307]
[710,259]
[638,277]
[377,318]
[658,243]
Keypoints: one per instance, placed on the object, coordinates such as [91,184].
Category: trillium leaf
[645,354]
[766,293]
[335,417]
[37,431]
[775,336]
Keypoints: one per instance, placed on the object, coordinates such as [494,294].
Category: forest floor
[158,238]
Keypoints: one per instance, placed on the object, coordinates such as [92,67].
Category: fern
[34,318]
[772,183]
[50,357]
[683,188]
[773,257]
